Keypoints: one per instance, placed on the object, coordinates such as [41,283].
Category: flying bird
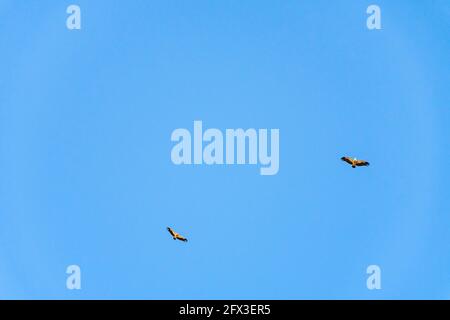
[176,236]
[354,162]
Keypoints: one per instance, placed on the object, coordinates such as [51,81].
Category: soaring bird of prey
[354,162]
[176,236]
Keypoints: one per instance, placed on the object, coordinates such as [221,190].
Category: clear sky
[86,176]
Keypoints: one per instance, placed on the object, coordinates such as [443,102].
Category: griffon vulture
[354,162]
[176,236]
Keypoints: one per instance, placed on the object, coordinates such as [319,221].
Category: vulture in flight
[176,236]
[354,162]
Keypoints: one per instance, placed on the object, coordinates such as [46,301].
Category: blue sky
[86,177]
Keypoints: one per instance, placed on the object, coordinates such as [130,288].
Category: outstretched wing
[182,238]
[347,159]
[361,163]
[171,231]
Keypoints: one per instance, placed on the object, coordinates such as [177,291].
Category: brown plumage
[176,236]
[354,162]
